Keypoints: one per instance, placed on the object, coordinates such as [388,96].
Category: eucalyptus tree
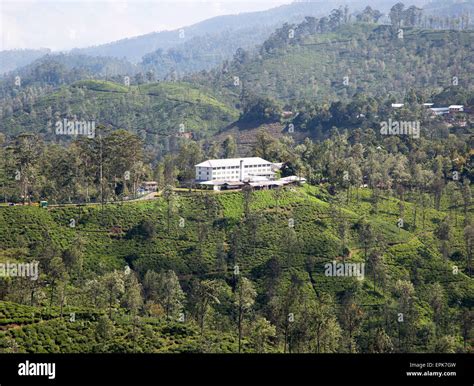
[244,299]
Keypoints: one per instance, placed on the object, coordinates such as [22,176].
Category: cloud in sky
[66,24]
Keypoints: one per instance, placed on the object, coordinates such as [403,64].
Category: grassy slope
[314,234]
[152,108]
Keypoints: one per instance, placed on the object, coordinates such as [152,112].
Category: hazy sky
[65,24]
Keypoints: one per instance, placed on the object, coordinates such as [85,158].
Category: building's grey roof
[233,162]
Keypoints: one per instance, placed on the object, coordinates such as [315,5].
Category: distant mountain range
[260,24]
[449,7]
[210,41]
[312,67]
[326,61]
[12,59]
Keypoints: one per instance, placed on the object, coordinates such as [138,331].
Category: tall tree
[229,147]
[244,299]
[351,319]
[114,286]
[396,15]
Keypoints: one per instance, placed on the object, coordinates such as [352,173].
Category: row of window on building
[238,167]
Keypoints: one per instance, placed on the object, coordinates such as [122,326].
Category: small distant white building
[149,186]
[440,110]
[397,105]
[456,108]
[447,110]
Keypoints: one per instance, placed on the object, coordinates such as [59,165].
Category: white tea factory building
[233,169]
[233,173]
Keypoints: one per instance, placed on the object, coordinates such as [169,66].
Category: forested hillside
[51,71]
[269,247]
[152,110]
[210,40]
[246,28]
[185,269]
[354,62]
[318,65]
[12,59]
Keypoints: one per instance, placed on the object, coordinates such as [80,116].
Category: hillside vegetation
[323,65]
[150,110]
[279,240]
[372,255]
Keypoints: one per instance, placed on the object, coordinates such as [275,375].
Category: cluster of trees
[406,169]
[366,112]
[410,17]
[399,17]
[108,166]
[211,305]
[259,110]
[289,34]
[413,17]
[112,165]
[369,15]
[301,62]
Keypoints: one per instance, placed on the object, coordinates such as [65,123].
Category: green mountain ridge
[151,110]
[354,59]
[318,68]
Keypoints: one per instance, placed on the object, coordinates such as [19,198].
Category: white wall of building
[233,169]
